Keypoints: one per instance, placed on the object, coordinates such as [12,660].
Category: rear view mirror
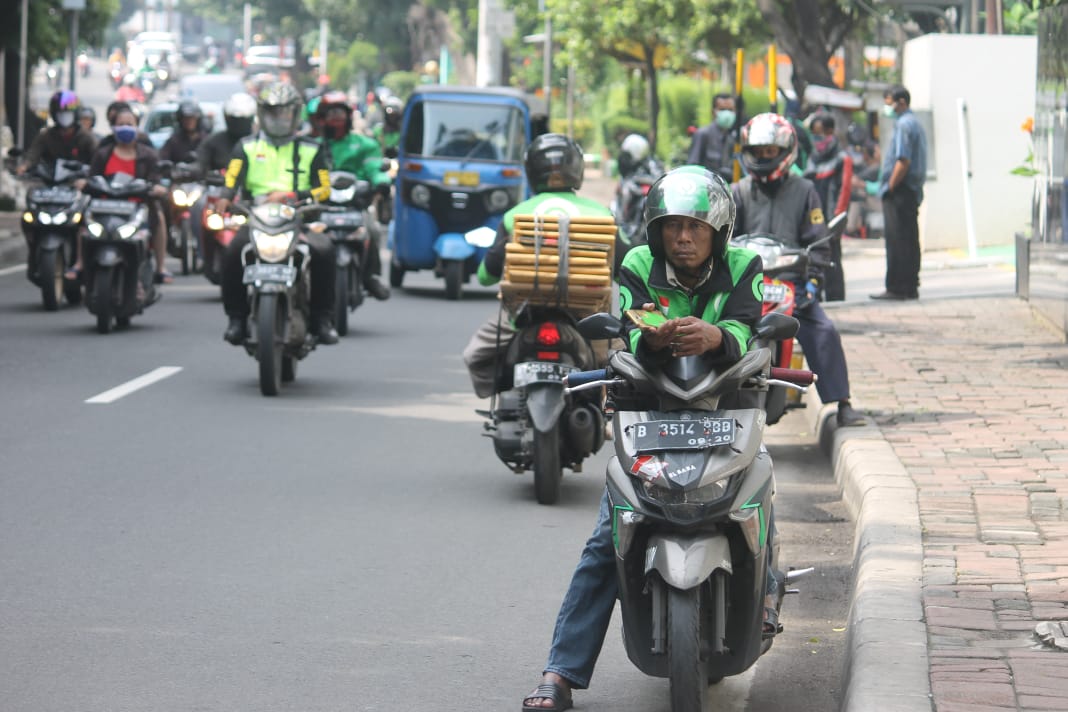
[775,326]
[600,326]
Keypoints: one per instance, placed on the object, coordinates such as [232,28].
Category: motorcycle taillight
[548,355]
[645,189]
[548,334]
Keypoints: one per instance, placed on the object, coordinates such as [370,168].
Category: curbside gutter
[886,661]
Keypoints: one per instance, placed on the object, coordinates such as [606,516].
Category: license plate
[269,273]
[700,434]
[539,372]
[775,292]
[54,195]
[469,179]
[113,207]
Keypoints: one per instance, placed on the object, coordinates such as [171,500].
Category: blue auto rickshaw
[459,169]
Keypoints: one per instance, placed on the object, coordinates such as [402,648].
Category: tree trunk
[653,94]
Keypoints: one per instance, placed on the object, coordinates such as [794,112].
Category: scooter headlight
[44,218]
[180,198]
[421,196]
[273,247]
[27,217]
[59,218]
[192,196]
[127,230]
[95,229]
[162,74]
[214,221]
[342,196]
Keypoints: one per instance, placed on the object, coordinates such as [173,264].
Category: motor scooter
[183,179]
[278,274]
[50,224]
[786,268]
[691,494]
[219,229]
[119,268]
[347,222]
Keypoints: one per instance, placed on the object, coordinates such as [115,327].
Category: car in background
[266,58]
[211,91]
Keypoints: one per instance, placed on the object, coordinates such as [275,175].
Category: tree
[638,33]
[810,31]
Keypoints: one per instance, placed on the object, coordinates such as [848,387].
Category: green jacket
[549,204]
[360,155]
[731,298]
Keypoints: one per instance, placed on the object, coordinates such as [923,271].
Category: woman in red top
[127,155]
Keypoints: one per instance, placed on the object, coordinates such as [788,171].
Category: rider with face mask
[361,156]
[713,145]
[65,139]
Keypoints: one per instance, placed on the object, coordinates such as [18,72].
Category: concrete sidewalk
[959,490]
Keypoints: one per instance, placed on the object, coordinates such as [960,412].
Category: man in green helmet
[710,293]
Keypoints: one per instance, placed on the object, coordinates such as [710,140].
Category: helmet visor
[278,121]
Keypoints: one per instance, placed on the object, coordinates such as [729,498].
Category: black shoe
[847,417]
[236,331]
[376,289]
[891,296]
[326,333]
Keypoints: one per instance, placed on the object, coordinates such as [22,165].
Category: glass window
[488,132]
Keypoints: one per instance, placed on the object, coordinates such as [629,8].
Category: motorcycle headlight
[44,218]
[59,219]
[162,74]
[180,197]
[421,196]
[95,229]
[127,231]
[27,217]
[214,221]
[273,248]
[499,200]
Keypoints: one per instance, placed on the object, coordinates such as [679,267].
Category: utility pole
[74,6]
[23,56]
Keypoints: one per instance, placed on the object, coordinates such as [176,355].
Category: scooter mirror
[775,326]
[600,326]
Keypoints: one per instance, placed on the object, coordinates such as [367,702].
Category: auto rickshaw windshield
[465,131]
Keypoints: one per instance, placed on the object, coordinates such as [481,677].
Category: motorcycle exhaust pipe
[583,426]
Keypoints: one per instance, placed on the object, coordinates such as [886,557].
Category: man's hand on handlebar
[278,196]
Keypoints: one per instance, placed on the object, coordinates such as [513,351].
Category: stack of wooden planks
[533,261]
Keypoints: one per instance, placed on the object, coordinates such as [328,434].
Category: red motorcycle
[784,269]
[218,231]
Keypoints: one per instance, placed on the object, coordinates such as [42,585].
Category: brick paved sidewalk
[972,398]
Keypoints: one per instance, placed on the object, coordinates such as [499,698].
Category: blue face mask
[725,119]
[125,134]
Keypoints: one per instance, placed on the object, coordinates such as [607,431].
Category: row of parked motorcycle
[118,266]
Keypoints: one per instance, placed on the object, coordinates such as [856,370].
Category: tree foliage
[810,31]
[48,28]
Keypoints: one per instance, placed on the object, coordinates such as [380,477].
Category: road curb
[886,666]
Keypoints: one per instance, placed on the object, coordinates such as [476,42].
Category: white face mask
[65,119]
[889,111]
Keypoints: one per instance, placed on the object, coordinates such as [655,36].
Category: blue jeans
[587,608]
[823,350]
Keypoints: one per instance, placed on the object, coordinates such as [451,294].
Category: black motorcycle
[347,223]
[119,268]
[278,275]
[50,225]
[532,423]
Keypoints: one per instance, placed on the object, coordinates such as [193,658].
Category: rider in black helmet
[182,145]
[554,168]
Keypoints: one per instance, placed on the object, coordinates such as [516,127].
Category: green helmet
[694,192]
[278,109]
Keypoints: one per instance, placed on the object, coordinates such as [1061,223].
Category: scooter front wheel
[341,297]
[454,279]
[103,296]
[270,322]
[50,267]
[686,668]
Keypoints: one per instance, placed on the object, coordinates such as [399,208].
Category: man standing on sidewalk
[901,189]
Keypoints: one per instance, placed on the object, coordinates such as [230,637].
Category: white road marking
[12,269]
[136,384]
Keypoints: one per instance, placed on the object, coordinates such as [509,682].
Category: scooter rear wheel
[547,469]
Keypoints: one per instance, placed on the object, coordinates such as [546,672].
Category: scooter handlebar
[581,378]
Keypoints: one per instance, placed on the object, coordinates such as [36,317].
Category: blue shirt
[908,142]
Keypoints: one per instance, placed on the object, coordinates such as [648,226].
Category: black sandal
[560,697]
[771,626]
